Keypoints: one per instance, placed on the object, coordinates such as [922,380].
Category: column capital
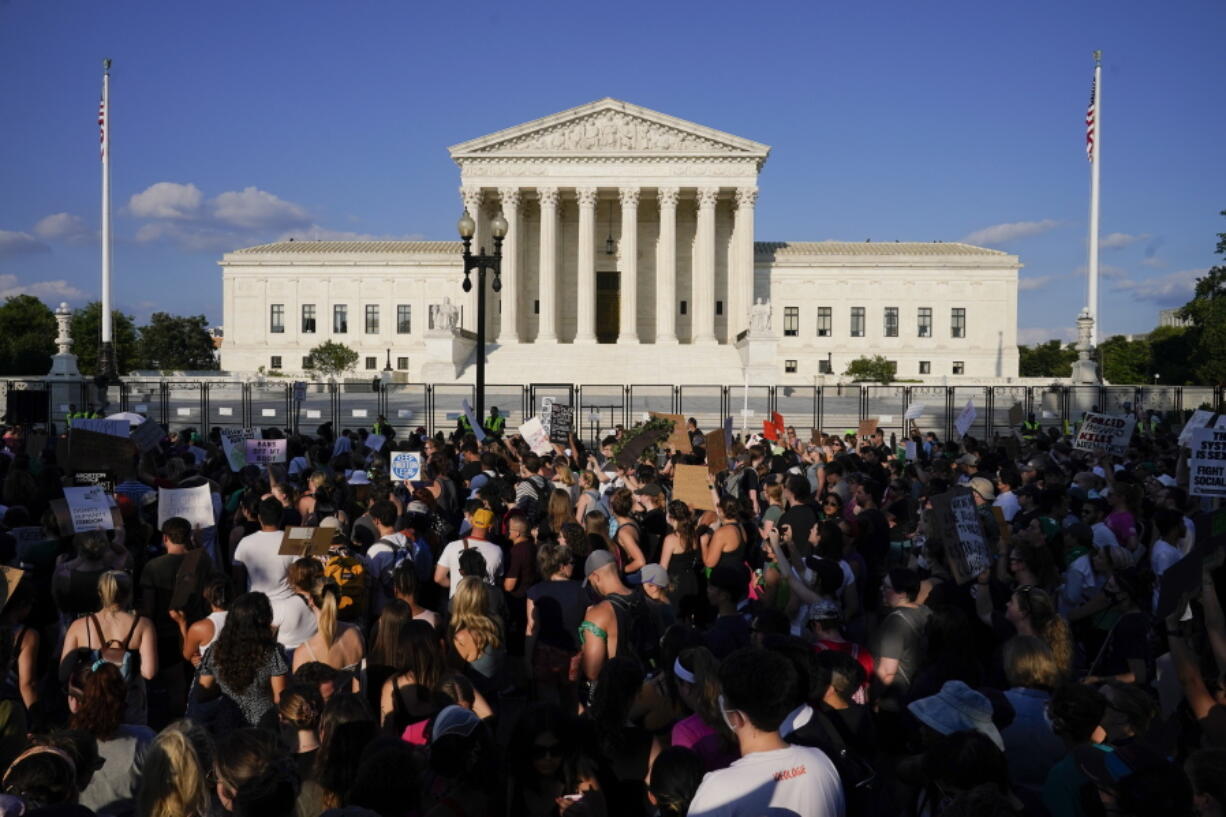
[548,196]
[746,196]
[668,196]
[510,196]
[707,196]
[586,196]
[472,197]
[629,196]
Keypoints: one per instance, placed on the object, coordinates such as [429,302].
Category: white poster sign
[966,419]
[193,504]
[90,509]
[358,413]
[265,452]
[1201,418]
[233,443]
[225,411]
[313,414]
[534,434]
[406,466]
[404,414]
[268,412]
[116,428]
[1104,433]
[1207,465]
[914,411]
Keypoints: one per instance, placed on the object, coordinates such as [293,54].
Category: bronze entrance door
[608,306]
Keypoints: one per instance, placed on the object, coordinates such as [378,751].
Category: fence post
[205,386]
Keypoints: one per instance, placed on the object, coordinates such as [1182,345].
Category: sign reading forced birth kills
[1104,433]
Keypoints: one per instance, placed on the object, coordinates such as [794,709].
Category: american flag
[1091,120]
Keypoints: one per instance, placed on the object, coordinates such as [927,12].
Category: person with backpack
[619,624]
[390,549]
[532,491]
[335,643]
[447,569]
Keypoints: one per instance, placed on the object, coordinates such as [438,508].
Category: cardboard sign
[866,428]
[962,532]
[679,438]
[147,435]
[914,411]
[63,517]
[193,504]
[406,466]
[116,428]
[265,452]
[303,542]
[89,508]
[375,442]
[1201,418]
[94,451]
[1015,414]
[1207,465]
[690,486]
[478,431]
[717,451]
[1104,433]
[561,423]
[234,444]
[632,450]
[11,577]
[966,419]
[533,432]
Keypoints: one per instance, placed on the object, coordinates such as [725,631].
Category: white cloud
[1107,271]
[64,227]
[1172,289]
[1004,233]
[255,209]
[1117,241]
[194,236]
[1031,284]
[1031,337]
[1153,262]
[46,290]
[13,243]
[167,200]
[317,233]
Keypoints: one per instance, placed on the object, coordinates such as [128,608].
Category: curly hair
[104,694]
[245,641]
[470,612]
[1048,625]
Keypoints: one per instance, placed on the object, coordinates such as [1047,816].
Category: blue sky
[236,123]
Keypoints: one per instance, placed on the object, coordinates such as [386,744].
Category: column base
[505,340]
[586,340]
[711,341]
[628,341]
[670,340]
[545,339]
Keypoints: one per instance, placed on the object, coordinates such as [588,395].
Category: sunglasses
[540,751]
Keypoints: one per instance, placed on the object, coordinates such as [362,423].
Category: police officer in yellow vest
[382,428]
[1030,428]
[495,424]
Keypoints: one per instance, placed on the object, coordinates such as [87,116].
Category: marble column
[703,268]
[585,312]
[548,279]
[629,251]
[474,198]
[509,330]
[740,277]
[666,267]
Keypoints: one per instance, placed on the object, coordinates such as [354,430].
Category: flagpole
[1095,162]
[106,360]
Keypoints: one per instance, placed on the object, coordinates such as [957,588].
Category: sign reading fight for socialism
[1199,419]
[89,508]
[1207,465]
[961,531]
[406,466]
[264,452]
[1105,433]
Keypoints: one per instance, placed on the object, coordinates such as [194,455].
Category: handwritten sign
[302,542]
[94,451]
[234,444]
[116,428]
[478,431]
[717,451]
[89,508]
[966,419]
[1104,433]
[265,452]
[561,423]
[1207,465]
[533,432]
[193,504]
[866,428]
[962,532]
[406,466]
[147,435]
[690,486]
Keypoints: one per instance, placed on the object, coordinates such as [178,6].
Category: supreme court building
[631,257]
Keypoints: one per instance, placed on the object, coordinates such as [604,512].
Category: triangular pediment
[609,127]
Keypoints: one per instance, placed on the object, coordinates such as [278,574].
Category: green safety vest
[1030,429]
[467,426]
[496,424]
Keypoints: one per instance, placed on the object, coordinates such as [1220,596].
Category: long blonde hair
[115,589]
[325,596]
[470,611]
[173,779]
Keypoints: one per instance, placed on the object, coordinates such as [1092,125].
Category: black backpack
[638,631]
[864,791]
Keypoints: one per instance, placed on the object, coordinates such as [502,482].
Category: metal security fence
[203,404]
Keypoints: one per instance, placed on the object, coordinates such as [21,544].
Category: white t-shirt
[1008,504]
[1104,537]
[294,621]
[1163,555]
[450,559]
[266,570]
[798,780]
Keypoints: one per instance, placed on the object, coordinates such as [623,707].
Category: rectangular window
[891,321]
[536,307]
[719,307]
[402,363]
[308,319]
[791,321]
[959,367]
[957,322]
[684,307]
[824,367]
[925,321]
[789,366]
[340,319]
[276,319]
[824,320]
[925,367]
[306,362]
[404,319]
[274,362]
[857,321]
[372,363]
[372,319]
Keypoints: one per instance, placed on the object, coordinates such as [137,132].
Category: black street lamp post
[482,262]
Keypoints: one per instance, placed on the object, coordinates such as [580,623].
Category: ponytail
[114,588]
[324,594]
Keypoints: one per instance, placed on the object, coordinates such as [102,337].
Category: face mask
[723,712]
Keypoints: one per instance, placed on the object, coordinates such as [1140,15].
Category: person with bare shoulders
[335,643]
[201,634]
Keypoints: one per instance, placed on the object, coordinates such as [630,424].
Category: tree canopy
[176,342]
[1207,312]
[87,337]
[27,336]
[875,368]
[331,358]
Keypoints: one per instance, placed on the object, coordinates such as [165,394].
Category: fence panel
[226,403]
[510,400]
[797,404]
[318,407]
[145,397]
[184,402]
[929,401]
[601,408]
[649,398]
[357,405]
[268,407]
[449,405]
[1195,397]
[840,408]
[887,404]
[757,399]
[1005,398]
[706,404]
[978,394]
[1119,399]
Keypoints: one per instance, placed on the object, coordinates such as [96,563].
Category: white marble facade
[615,211]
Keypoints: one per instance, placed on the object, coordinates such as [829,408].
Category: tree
[331,359]
[1207,312]
[1172,349]
[875,368]
[1126,361]
[87,337]
[1051,359]
[27,336]
[176,342]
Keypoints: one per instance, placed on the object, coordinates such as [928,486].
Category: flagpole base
[106,361]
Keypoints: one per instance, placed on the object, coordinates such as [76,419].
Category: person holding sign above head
[267,572]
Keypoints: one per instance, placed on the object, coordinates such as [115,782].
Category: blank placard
[313,414]
[184,412]
[225,411]
[268,412]
[359,412]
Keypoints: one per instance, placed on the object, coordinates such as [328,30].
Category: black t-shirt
[801,519]
[470,470]
[653,528]
[727,634]
[874,539]
[1129,639]
[560,606]
[157,586]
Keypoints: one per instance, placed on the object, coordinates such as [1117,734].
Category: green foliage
[1051,359]
[1125,361]
[176,342]
[876,369]
[1207,312]
[331,359]
[27,336]
[87,337]
[1171,350]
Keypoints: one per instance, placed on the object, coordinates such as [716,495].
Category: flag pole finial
[1098,58]
[106,64]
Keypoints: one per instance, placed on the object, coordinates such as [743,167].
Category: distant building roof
[942,248]
[351,248]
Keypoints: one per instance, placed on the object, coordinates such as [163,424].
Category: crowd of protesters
[530,635]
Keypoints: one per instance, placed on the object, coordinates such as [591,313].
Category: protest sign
[533,432]
[193,504]
[94,451]
[375,442]
[10,577]
[633,448]
[1201,418]
[690,486]
[116,428]
[89,508]
[717,451]
[89,478]
[913,411]
[1207,465]
[545,415]
[234,444]
[866,428]
[966,419]
[678,438]
[1104,433]
[473,423]
[962,532]
[1178,584]
[1015,414]
[264,452]
[561,423]
[406,466]
[910,451]
[63,517]
[303,542]
[147,435]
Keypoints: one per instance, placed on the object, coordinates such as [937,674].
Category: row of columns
[740,272]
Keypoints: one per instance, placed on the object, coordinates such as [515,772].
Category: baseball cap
[596,560]
[650,489]
[650,574]
[983,487]
[825,610]
[454,720]
[483,518]
[967,459]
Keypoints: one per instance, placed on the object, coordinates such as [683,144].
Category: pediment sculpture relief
[613,132]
